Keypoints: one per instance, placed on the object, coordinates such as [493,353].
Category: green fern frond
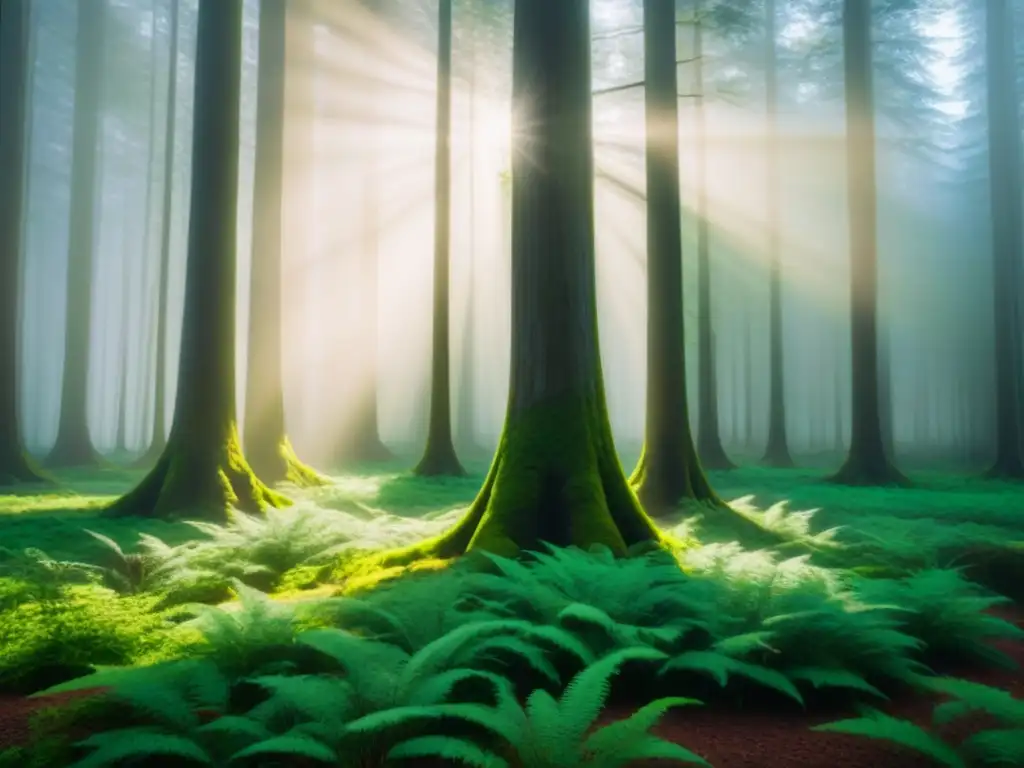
[823,677]
[128,744]
[518,648]
[439,687]
[387,720]
[745,644]
[548,736]
[997,747]
[618,743]
[720,667]
[447,748]
[584,697]
[289,746]
[974,697]
[877,725]
[653,748]
[450,649]
[307,696]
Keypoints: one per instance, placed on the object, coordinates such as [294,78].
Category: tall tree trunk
[709,440]
[364,443]
[866,463]
[748,379]
[885,389]
[1007,245]
[74,446]
[556,476]
[439,455]
[15,466]
[121,430]
[158,441]
[837,399]
[777,449]
[202,472]
[669,470]
[266,443]
[465,423]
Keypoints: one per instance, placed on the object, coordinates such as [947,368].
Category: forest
[511,383]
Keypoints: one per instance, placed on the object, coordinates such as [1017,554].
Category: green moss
[296,471]
[199,484]
[555,478]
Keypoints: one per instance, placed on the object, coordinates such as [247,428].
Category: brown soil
[726,740]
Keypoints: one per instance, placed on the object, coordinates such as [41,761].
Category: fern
[446,748]
[719,667]
[877,725]
[115,747]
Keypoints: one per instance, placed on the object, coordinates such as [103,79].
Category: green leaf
[877,725]
[447,748]
[290,746]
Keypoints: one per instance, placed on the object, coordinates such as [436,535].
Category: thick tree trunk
[777,449]
[15,466]
[866,462]
[159,439]
[74,446]
[267,447]
[709,439]
[121,430]
[202,472]
[1007,244]
[669,470]
[439,455]
[556,476]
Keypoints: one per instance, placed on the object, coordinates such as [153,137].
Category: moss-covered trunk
[709,439]
[777,449]
[159,439]
[1007,245]
[74,446]
[15,466]
[439,455]
[555,476]
[202,472]
[866,462]
[669,470]
[266,443]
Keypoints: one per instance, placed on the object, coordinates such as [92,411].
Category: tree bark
[202,472]
[159,439]
[74,446]
[669,470]
[556,476]
[267,447]
[709,439]
[15,465]
[777,449]
[439,455]
[866,462]
[1007,246]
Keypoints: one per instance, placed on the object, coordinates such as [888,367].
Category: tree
[439,455]
[267,447]
[777,451]
[202,471]
[1005,179]
[159,439]
[15,466]
[74,445]
[866,462]
[669,469]
[709,438]
[555,476]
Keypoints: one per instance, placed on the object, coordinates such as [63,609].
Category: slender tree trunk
[556,476]
[777,450]
[364,443]
[202,472]
[439,455]
[15,465]
[121,430]
[669,470]
[159,439]
[838,443]
[1007,244]
[748,379]
[866,462]
[74,446]
[709,440]
[465,424]
[885,390]
[267,447]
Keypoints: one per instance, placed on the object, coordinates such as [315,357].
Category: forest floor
[944,521]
